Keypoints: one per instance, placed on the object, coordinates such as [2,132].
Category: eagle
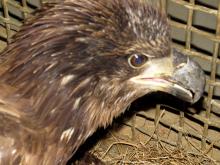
[75,66]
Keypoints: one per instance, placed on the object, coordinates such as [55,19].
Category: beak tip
[192,78]
[197,95]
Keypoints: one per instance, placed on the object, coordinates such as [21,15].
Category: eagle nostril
[180,65]
[179,60]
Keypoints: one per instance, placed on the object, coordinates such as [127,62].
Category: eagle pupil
[137,60]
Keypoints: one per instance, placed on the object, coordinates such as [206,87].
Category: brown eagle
[78,64]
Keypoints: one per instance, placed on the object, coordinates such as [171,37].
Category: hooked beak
[177,75]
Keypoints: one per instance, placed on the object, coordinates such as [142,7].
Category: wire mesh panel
[12,13]
[196,32]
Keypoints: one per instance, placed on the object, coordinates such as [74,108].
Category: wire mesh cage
[11,15]
[196,129]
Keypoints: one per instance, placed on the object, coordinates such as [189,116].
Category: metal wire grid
[10,22]
[210,104]
[12,12]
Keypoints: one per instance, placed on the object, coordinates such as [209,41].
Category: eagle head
[77,64]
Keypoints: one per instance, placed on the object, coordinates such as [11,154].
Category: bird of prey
[75,66]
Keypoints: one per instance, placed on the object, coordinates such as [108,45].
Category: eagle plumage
[66,73]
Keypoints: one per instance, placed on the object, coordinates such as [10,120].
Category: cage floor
[117,150]
[135,138]
[123,145]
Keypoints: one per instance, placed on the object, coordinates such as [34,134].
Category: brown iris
[137,60]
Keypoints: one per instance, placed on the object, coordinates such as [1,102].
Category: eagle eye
[137,60]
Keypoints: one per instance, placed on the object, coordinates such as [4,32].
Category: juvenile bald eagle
[75,66]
